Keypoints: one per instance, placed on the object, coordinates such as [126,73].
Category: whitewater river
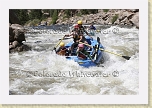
[42,72]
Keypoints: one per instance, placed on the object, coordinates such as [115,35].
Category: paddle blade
[54,49]
[126,57]
[98,39]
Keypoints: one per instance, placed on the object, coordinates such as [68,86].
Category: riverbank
[128,17]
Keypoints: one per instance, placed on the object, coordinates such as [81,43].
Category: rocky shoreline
[129,17]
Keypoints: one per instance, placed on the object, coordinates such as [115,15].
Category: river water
[42,72]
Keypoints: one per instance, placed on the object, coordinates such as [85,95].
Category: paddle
[97,48]
[125,57]
[58,44]
[66,38]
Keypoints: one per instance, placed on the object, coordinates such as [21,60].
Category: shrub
[114,18]
[105,10]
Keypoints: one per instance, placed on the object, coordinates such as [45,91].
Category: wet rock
[17,26]
[11,47]
[19,35]
[20,48]
[11,34]
[15,44]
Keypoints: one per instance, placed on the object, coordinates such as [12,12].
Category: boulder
[19,35]
[11,34]
[20,48]
[17,26]
[16,32]
[15,44]
[135,20]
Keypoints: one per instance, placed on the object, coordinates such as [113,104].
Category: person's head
[62,44]
[76,27]
[81,46]
[80,23]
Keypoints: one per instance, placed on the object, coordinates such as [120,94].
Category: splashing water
[42,72]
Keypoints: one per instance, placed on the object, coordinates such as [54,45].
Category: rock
[11,34]
[16,32]
[19,35]
[15,44]
[134,10]
[19,48]
[17,26]
[135,20]
[11,47]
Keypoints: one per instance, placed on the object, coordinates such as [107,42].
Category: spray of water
[42,72]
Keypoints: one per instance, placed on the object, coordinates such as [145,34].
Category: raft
[95,52]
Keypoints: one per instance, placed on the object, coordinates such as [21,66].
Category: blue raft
[96,54]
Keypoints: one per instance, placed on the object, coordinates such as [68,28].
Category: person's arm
[69,35]
[86,53]
[80,39]
[94,27]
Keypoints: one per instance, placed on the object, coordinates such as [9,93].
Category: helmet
[62,44]
[81,45]
[76,26]
[79,22]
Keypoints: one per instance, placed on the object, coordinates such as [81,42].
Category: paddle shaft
[126,57]
[59,42]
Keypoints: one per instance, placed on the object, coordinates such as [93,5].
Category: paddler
[62,50]
[82,53]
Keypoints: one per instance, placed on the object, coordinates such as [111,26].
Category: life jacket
[76,37]
[78,33]
[81,30]
[62,51]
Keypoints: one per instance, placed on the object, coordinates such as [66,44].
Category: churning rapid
[42,72]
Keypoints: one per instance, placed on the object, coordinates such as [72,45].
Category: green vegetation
[22,15]
[105,10]
[35,22]
[35,16]
[67,13]
[114,18]
[54,16]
